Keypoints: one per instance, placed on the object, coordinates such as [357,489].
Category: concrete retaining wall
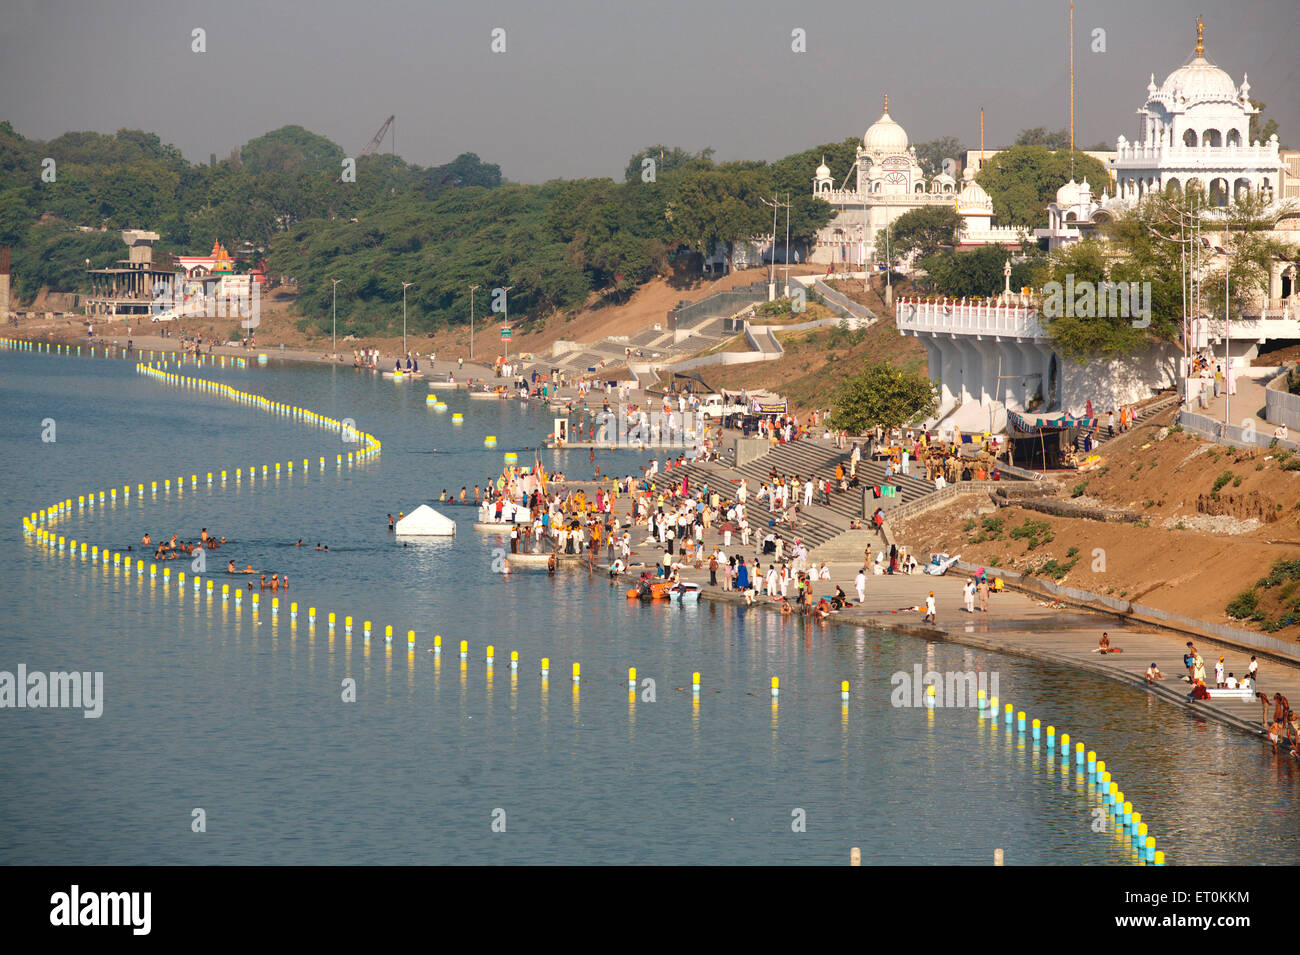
[1281,407]
[1245,639]
[845,304]
[1077,511]
[1233,435]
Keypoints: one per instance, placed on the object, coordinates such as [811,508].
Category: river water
[243,716]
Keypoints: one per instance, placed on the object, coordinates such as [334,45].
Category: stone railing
[941,496]
[1207,157]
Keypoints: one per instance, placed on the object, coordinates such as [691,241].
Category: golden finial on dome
[886,102]
[1200,38]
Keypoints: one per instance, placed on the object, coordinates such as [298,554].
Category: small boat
[648,590]
[685,592]
[939,564]
[487,394]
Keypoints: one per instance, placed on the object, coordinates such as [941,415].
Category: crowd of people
[176,549]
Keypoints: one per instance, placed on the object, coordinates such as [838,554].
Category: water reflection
[242,719]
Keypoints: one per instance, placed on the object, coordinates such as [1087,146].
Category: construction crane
[377,140]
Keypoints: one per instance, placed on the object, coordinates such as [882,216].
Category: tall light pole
[1227,329]
[889,266]
[334,309]
[771,282]
[787,245]
[505,301]
[472,290]
[405,285]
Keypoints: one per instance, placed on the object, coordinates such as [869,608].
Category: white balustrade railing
[1021,321]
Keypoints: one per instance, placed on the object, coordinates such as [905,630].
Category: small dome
[823,171]
[1068,194]
[885,135]
[973,200]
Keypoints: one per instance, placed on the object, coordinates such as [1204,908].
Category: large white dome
[1200,81]
[885,135]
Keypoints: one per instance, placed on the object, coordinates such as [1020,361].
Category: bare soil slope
[1198,547]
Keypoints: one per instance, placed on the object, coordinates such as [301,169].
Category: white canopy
[424,521]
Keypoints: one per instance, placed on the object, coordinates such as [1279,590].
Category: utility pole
[889,266]
[405,285]
[787,245]
[335,311]
[1227,330]
[771,282]
[505,300]
[472,289]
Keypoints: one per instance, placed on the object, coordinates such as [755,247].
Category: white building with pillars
[994,355]
[884,182]
[988,357]
[1195,128]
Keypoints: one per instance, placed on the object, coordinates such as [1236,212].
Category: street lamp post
[505,301]
[405,285]
[1227,330]
[472,290]
[787,245]
[771,282]
[334,310]
[889,267]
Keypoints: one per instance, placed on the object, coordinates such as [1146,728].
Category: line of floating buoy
[1088,767]
[164,359]
[40,524]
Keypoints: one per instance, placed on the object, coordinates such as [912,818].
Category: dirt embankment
[1216,524]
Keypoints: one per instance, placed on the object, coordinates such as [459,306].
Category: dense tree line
[290,195]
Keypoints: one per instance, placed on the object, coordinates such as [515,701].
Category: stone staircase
[1143,413]
[818,524]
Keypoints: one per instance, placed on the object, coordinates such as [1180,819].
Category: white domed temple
[994,356]
[885,182]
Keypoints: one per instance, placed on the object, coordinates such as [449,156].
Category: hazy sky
[584,83]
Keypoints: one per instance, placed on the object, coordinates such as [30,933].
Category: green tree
[931,154]
[667,159]
[1022,180]
[976,273]
[922,231]
[291,149]
[883,395]
[1079,333]
[1040,136]
[1260,128]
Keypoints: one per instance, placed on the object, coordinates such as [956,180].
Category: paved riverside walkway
[1016,623]
[1023,625]
[1247,404]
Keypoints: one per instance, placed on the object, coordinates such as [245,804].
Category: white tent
[424,521]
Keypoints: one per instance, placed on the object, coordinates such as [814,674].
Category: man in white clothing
[861,584]
[808,493]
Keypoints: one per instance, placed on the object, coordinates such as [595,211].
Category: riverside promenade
[1017,622]
[1026,626]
